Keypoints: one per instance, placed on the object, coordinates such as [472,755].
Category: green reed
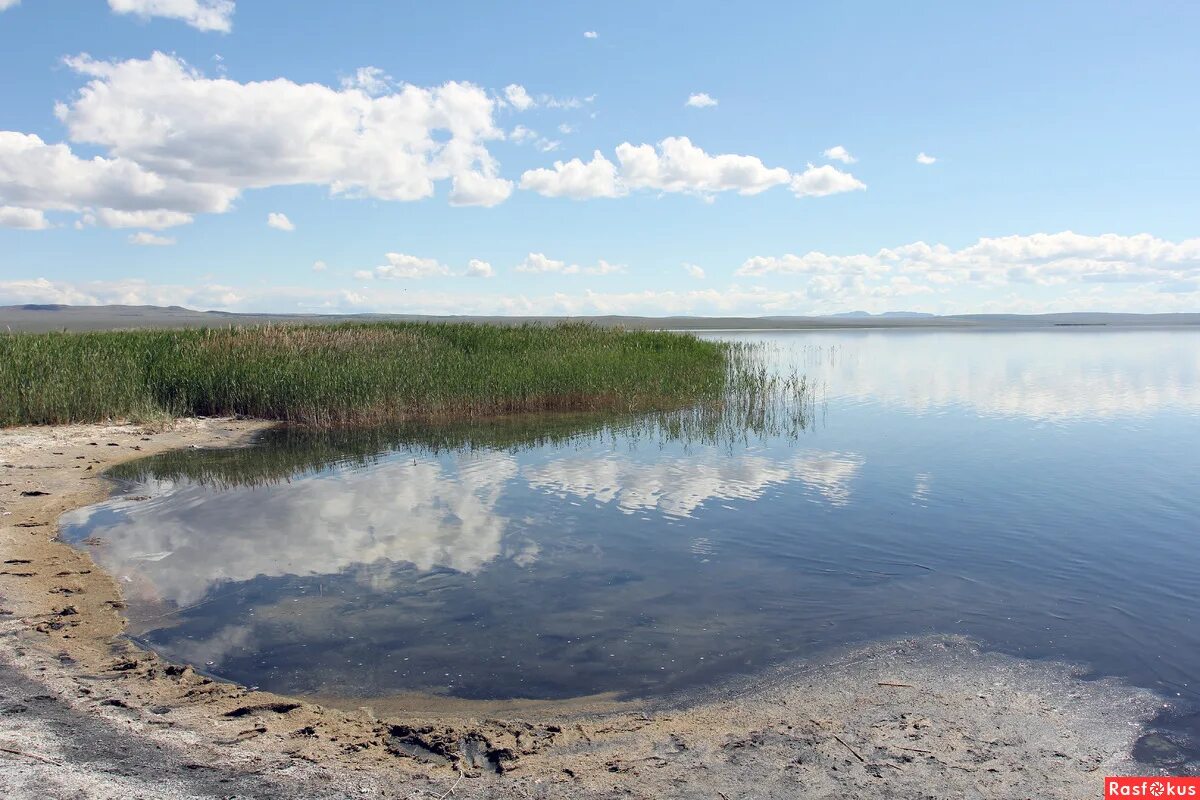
[755,403]
[352,374]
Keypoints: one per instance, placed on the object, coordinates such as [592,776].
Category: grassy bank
[329,375]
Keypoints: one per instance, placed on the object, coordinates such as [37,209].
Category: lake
[1034,490]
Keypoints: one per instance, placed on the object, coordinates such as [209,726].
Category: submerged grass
[353,374]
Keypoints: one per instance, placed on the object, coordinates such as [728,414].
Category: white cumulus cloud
[204,15]
[839,153]
[586,34]
[824,180]
[539,263]
[479,269]
[517,97]
[925,159]
[694,271]
[402,265]
[35,174]
[675,165]
[30,219]
[280,222]
[700,100]
[576,179]
[7,4]
[196,142]
[319,266]
[1043,259]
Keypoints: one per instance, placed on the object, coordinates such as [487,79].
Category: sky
[762,158]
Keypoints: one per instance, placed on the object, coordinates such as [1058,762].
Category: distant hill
[888,314]
[80,318]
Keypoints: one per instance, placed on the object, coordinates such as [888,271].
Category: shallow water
[1036,491]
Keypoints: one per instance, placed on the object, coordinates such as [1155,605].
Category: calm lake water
[1036,491]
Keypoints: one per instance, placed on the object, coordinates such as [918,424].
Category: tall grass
[783,406]
[351,374]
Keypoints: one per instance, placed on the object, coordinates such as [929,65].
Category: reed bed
[756,403]
[327,376]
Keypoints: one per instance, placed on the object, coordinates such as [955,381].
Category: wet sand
[85,713]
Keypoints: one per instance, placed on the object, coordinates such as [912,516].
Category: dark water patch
[1171,741]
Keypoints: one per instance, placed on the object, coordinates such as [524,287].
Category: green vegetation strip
[353,374]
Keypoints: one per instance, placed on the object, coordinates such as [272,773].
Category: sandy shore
[84,713]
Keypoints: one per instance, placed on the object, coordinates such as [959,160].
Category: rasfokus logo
[1151,787]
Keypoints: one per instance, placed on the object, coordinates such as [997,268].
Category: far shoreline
[33,318]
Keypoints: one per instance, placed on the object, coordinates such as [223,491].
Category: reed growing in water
[353,374]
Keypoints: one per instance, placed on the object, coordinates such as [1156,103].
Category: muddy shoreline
[925,717]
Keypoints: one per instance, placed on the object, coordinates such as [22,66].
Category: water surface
[1037,491]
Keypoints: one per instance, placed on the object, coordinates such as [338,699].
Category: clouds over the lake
[1047,259]
[426,156]
[676,165]
[1037,273]
[175,142]
[179,143]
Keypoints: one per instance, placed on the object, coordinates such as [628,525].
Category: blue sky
[412,148]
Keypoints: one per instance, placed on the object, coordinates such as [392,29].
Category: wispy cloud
[147,239]
[371,80]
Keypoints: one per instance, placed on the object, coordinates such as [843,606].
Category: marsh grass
[326,376]
[755,403]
